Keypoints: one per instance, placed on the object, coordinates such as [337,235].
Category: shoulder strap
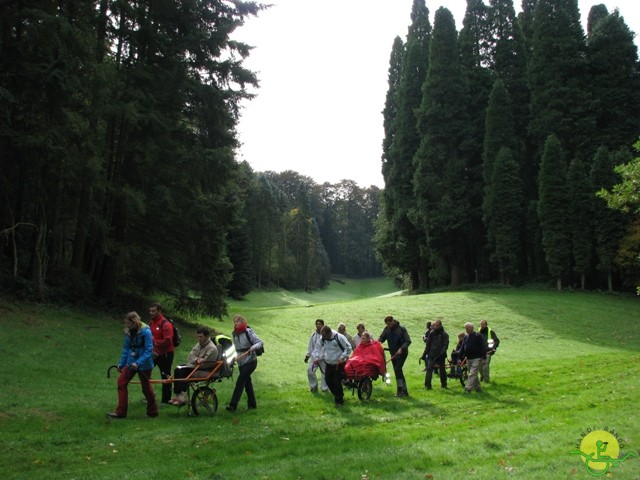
[338,342]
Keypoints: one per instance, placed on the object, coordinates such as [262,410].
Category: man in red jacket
[162,331]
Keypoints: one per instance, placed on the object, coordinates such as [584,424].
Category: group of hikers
[336,354]
[331,350]
[146,346]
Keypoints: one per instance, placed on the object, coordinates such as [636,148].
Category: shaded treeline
[118,171]
[497,138]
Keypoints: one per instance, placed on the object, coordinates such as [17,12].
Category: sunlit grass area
[567,362]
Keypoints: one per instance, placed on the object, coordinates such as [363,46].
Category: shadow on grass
[588,317]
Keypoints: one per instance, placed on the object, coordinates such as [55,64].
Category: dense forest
[118,170]
[497,139]
[117,141]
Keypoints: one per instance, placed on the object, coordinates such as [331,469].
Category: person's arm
[193,355]
[406,340]
[165,343]
[310,348]
[347,347]
[126,350]
[496,340]
[147,353]
[445,344]
[256,343]
[383,336]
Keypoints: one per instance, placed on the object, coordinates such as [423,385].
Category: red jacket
[162,332]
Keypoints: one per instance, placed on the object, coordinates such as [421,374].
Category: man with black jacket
[474,350]
[437,345]
[398,340]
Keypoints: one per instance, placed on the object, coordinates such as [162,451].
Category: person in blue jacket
[137,358]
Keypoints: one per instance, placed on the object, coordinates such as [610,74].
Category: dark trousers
[333,375]
[126,375]
[432,364]
[398,363]
[181,372]
[244,384]
[164,364]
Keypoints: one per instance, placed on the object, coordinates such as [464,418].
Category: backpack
[257,351]
[177,336]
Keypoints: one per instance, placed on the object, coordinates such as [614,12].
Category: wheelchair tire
[365,387]
[463,376]
[204,400]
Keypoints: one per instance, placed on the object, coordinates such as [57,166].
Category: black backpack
[177,337]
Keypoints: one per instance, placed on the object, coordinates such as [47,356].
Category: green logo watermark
[600,450]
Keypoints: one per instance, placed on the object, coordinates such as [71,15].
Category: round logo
[599,447]
[599,450]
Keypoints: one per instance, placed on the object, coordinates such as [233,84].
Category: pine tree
[552,209]
[440,178]
[558,78]
[506,215]
[500,133]
[475,60]
[615,85]
[581,199]
[609,224]
[403,246]
[390,111]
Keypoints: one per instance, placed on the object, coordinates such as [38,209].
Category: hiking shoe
[114,415]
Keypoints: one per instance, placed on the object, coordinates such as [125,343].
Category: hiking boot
[114,415]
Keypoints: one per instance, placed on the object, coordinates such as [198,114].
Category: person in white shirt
[312,367]
[334,349]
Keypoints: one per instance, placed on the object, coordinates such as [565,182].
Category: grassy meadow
[568,362]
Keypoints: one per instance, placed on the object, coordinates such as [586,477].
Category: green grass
[567,362]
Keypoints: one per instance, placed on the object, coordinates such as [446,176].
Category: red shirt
[162,332]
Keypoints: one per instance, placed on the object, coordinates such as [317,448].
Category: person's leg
[429,375]
[454,363]
[443,372]
[147,390]
[164,364]
[334,384]
[248,386]
[311,375]
[485,369]
[472,381]
[398,363]
[123,391]
[244,373]
[323,381]
[338,384]
[180,389]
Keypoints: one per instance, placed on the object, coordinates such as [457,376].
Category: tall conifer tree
[615,85]
[506,219]
[403,246]
[609,224]
[581,199]
[440,178]
[552,209]
[558,78]
[499,133]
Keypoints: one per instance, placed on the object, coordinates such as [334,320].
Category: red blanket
[367,361]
